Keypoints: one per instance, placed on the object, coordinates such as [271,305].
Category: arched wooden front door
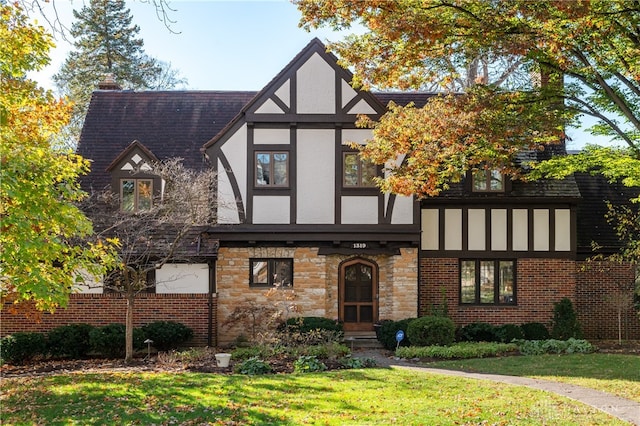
[358,294]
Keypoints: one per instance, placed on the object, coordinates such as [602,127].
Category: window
[357,172]
[272,169]
[487,181]
[136,194]
[270,272]
[487,282]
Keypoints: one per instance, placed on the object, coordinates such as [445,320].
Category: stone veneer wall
[315,283]
[102,309]
[602,287]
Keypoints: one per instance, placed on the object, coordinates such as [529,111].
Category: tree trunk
[129,327]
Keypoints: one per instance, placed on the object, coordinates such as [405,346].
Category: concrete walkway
[621,408]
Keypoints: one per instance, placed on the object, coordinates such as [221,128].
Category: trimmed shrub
[110,340]
[388,330]
[565,321]
[167,335]
[535,331]
[553,346]
[431,330]
[464,350]
[509,332]
[478,332]
[307,324]
[69,341]
[21,347]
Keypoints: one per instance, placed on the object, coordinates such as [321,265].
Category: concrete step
[362,339]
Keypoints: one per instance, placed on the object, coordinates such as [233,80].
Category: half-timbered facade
[295,206]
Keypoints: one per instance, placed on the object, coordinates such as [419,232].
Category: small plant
[110,340]
[509,332]
[69,340]
[565,321]
[478,332]
[308,364]
[535,331]
[258,351]
[431,330]
[253,366]
[349,362]
[167,334]
[21,347]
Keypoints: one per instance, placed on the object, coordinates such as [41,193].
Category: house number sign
[359,245]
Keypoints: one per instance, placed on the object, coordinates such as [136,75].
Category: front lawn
[369,396]
[613,373]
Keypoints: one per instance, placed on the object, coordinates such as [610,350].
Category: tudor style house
[296,206]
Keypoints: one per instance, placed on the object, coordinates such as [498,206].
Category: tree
[149,239]
[41,227]
[585,56]
[106,43]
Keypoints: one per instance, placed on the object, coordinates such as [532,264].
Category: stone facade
[315,284]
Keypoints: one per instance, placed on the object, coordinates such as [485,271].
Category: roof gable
[135,157]
[313,84]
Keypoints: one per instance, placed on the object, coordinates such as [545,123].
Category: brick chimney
[109,83]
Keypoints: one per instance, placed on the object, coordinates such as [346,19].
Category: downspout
[212,290]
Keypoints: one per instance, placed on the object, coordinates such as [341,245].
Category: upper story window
[487,282]
[357,172]
[272,169]
[136,195]
[487,180]
[271,272]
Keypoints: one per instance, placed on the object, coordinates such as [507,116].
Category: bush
[431,330]
[258,351]
[308,364]
[19,348]
[535,331]
[69,341]
[509,332]
[389,328]
[565,321]
[464,350]
[554,346]
[167,335]
[307,324]
[349,362]
[478,332]
[110,340]
[253,366]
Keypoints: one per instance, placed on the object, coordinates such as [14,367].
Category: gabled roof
[315,46]
[169,124]
[127,152]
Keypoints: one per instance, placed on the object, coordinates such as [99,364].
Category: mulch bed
[205,364]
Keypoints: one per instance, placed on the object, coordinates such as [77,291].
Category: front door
[358,294]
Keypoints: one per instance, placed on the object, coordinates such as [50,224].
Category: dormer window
[358,173]
[487,180]
[136,195]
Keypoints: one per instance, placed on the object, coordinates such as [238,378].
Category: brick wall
[540,283]
[102,309]
[602,288]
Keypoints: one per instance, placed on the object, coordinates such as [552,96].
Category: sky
[218,45]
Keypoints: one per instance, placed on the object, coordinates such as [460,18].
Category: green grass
[614,373]
[369,396]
